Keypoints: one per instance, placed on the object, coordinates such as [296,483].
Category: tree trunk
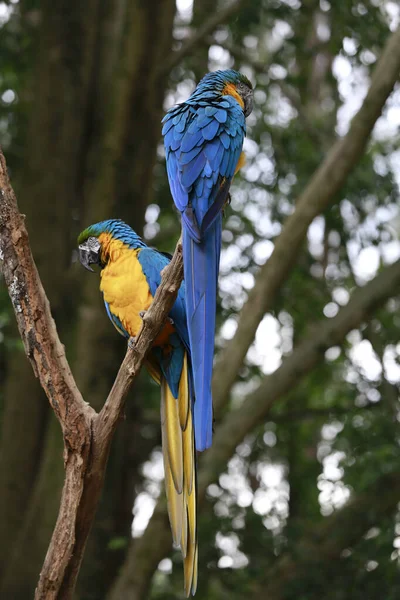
[34,534]
[96,96]
[48,186]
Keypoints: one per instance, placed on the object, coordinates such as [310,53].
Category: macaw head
[94,241]
[232,83]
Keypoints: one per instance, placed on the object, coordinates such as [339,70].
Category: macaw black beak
[89,253]
[248,103]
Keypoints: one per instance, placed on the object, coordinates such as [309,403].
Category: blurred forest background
[299,494]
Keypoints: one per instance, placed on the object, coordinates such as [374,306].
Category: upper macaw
[203,140]
[130,274]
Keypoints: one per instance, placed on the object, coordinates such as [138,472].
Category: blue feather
[152,263]
[221,115]
[179,194]
[199,186]
[192,171]
[211,149]
[191,223]
[208,170]
[216,207]
[186,157]
[210,131]
[225,139]
[210,111]
[224,164]
[201,264]
[191,139]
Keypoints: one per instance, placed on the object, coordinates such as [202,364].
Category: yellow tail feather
[170,424]
[184,536]
[180,473]
[183,398]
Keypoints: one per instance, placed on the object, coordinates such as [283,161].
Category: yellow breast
[124,286]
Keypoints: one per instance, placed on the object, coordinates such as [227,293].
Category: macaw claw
[143,312]
[131,342]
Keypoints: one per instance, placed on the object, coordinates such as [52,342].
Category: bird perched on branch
[130,274]
[203,140]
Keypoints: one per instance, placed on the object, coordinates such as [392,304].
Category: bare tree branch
[252,413]
[87,435]
[218,18]
[319,193]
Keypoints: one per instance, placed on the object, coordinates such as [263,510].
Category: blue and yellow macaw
[203,140]
[130,274]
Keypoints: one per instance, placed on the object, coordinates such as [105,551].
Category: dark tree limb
[87,435]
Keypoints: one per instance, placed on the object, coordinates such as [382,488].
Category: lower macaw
[130,274]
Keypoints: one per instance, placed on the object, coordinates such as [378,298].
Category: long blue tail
[201,265]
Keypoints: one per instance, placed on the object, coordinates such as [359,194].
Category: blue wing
[152,263]
[203,146]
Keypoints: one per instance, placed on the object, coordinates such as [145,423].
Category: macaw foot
[143,312]
[131,342]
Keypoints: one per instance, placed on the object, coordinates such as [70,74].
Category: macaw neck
[210,95]
[230,90]
[111,249]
